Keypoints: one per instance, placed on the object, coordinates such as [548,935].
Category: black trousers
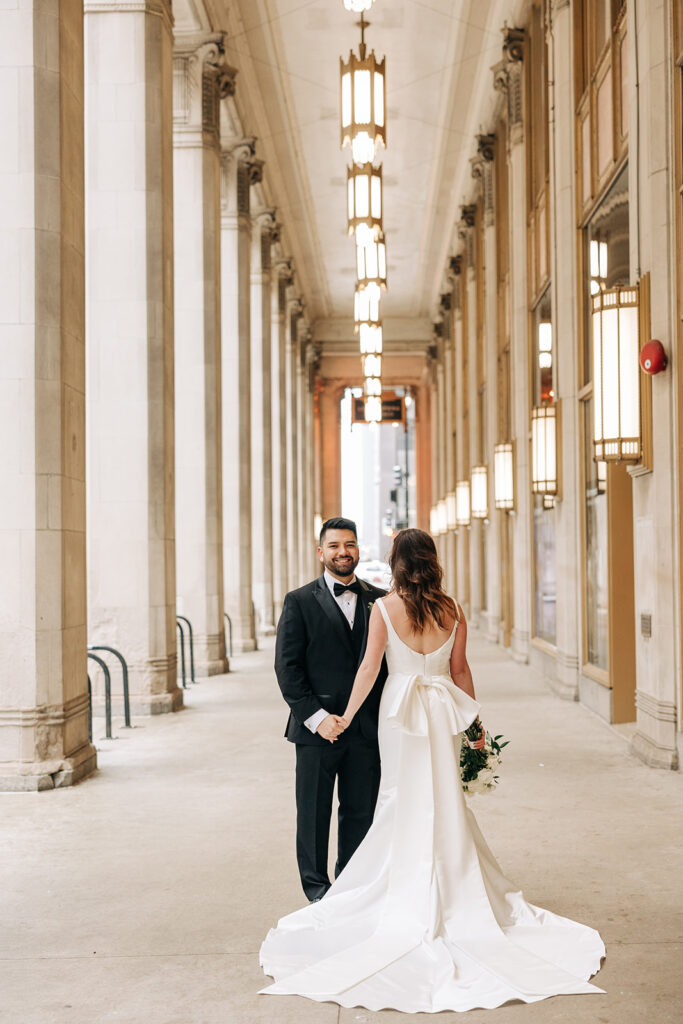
[354,762]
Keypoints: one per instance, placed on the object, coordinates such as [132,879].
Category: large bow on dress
[410,708]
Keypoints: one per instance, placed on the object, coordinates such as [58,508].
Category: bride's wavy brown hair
[417,577]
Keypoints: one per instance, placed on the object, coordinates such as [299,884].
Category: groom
[321,639]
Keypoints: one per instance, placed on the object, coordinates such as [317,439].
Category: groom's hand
[331,727]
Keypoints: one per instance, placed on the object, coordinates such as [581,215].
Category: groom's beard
[340,567]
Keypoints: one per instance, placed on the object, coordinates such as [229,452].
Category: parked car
[375,572]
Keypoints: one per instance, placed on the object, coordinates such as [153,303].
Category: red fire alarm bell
[653,357]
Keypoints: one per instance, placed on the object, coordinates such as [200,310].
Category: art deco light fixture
[545,344]
[433,521]
[480,492]
[373,409]
[544,461]
[372,366]
[442,516]
[358,5]
[364,199]
[370,339]
[366,307]
[504,475]
[363,125]
[616,378]
[462,503]
[371,260]
[451,521]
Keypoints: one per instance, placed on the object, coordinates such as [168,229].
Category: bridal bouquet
[478,767]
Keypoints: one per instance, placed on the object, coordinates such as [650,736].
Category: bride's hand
[331,727]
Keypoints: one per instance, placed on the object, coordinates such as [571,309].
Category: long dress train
[422,918]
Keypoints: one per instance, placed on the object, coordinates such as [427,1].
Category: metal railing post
[229,630]
[124,668]
[189,629]
[107,690]
[182,651]
[89,709]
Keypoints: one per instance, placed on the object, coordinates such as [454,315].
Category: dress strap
[385,614]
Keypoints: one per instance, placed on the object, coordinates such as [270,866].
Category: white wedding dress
[422,919]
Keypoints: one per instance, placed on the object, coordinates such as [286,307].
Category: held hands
[331,727]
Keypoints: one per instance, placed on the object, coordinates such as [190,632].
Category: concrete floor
[142,895]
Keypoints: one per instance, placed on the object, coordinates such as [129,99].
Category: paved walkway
[142,895]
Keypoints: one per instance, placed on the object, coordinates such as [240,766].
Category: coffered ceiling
[439,95]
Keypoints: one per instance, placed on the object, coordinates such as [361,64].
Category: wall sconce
[544,449]
[317,524]
[451,520]
[504,475]
[442,516]
[480,492]
[462,503]
[616,379]
[433,521]
[363,125]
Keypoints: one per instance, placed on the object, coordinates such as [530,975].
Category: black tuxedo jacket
[315,662]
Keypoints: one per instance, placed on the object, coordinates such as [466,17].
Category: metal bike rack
[187,622]
[124,668]
[89,709]
[229,631]
[181,630]
[107,691]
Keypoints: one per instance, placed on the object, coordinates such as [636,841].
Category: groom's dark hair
[338,524]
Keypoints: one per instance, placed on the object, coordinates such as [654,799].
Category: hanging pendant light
[366,307]
[373,410]
[371,259]
[616,380]
[362,102]
[364,198]
[372,366]
[371,339]
[357,6]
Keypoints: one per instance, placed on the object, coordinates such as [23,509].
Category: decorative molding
[156,8]
[46,714]
[661,710]
[467,214]
[508,79]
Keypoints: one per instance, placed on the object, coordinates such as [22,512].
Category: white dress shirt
[347,603]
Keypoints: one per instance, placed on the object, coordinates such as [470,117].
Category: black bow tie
[354,587]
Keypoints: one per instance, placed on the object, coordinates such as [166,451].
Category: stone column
[448,437]
[263,229]
[442,542]
[491,526]
[568,511]
[129,175]
[44,686]
[472,533]
[300,453]
[200,79]
[278,360]
[519,347]
[294,311]
[238,170]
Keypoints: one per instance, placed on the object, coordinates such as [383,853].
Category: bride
[422,919]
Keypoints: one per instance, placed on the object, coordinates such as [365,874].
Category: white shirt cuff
[314,721]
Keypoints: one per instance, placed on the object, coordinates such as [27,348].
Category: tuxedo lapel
[364,599]
[333,612]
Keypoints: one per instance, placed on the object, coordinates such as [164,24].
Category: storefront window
[544,571]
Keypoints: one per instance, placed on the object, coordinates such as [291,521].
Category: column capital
[265,221]
[201,78]
[240,169]
[284,268]
[482,170]
[507,78]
